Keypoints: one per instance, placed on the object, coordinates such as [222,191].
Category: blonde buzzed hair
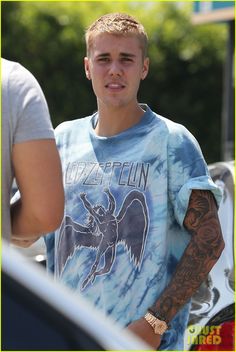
[117,24]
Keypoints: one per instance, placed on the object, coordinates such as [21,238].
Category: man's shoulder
[168,125]
[9,70]
[73,126]
[15,69]
[19,81]
[174,132]
[8,65]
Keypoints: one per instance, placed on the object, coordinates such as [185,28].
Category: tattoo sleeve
[199,257]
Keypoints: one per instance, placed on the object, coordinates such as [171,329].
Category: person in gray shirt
[29,155]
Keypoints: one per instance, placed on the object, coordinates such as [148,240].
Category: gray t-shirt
[25,117]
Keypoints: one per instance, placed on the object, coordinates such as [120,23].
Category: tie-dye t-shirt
[126,198]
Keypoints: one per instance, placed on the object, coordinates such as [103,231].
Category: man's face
[116,66]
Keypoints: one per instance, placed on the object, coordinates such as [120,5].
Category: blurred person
[30,155]
[140,229]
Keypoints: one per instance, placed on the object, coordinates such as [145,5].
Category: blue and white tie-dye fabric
[126,198]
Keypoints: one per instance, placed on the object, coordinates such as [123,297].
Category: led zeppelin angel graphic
[104,231]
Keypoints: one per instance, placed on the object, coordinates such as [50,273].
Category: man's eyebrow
[121,54]
[127,55]
[103,55]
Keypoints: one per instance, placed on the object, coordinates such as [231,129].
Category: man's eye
[103,59]
[126,59]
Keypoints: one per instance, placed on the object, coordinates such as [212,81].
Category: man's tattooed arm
[199,257]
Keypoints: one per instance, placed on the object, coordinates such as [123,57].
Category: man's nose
[115,69]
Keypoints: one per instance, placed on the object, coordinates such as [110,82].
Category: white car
[39,314]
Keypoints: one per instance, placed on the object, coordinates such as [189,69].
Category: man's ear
[86,67]
[145,68]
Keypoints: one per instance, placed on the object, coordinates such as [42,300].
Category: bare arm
[199,257]
[38,173]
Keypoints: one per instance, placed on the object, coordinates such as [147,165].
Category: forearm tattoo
[199,257]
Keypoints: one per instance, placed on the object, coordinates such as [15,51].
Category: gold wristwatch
[159,326]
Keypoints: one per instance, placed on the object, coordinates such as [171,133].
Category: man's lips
[115,85]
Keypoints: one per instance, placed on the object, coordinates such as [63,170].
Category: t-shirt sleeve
[187,171]
[30,117]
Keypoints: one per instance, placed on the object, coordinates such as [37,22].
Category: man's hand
[143,330]
[23,243]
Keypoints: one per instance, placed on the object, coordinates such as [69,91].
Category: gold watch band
[159,326]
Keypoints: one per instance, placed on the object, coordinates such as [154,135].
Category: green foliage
[185,78]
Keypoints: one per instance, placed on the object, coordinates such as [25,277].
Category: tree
[185,79]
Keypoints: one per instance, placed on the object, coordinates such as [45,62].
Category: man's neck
[116,120]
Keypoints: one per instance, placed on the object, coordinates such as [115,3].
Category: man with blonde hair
[140,230]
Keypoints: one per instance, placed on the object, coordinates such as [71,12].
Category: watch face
[159,327]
